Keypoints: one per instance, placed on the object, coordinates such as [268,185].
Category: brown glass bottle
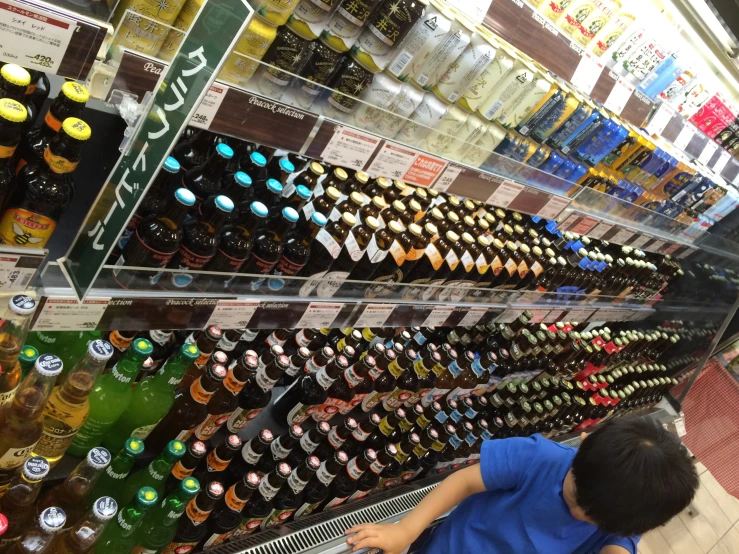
[17,504]
[375,260]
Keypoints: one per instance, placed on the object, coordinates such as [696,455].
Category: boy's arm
[613,549]
[394,538]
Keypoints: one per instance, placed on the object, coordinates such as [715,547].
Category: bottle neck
[172,372]
[174,215]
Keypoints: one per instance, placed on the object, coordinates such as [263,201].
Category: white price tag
[392,161]
[606,315]
[670,249]
[374,315]
[657,246]
[686,133]
[505,194]
[680,426]
[472,317]
[587,73]
[447,178]
[708,151]
[349,148]
[553,316]
[475,9]
[623,236]
[581,315]
[319,314]
[510,315]
[620,94]
[32,38]
[569,222]
[601,229]
[208,108]
[723,159]
[438,316]
[554,207]
[232,314]
[640,241]
[538,315]
[660,118]
[13,277]
[530,297]
[68,314]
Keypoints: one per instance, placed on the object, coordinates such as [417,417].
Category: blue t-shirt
[523,510]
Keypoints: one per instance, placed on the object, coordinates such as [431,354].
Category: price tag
[723,159]
[640,241]
[601,229]
[670,249]
[530,297]
[349,148]
[680,426]
[580,315]
[584,226]
[392,161]
[475,9]
[510,315]
[657,246]
[620,94]
[606,315]
[554,207]
[587,73]
[319,314]
[374,315]
[660,118]
[553,316]
[472,316]
[208,108]
[13,277]
[686,133]
[505,194]
[438,316]
[232,314]
[32,37]
[687,252]
[538,315]
[68,314]
[623,236]
[447,178]
[570,221]
[708,150]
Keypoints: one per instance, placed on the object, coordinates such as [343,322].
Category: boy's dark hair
[632,475]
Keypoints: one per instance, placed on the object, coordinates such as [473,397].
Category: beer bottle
[40,537]
[238,187]
[110,482]
[189,409]
[316,491]
[384,383]
[156,473]
[259,505]
[286,500]
[69,103]
[252,398]
[444,375]
[160,524]
[206,342]
[324,251]
[336,438]
[119,536]
[14,83]
[27,358]
[345,484]
[156,240]
[279,449]
[83,535]
[297,363]
[254,164]
[310,177]
[270,195]
[213,466]
[389,269]
[299,198]
[406,381]
[338,179]
[12,118]
[226,516]
[423,368]
[185,466]
[340,396]
[297,248]
[120,340]
[70,495]
[371,209]
[310,443]
[371,262]
[20,498]
[370,479]
[351,204]
[233,342]
[205,180]
[251,453]
[13,332]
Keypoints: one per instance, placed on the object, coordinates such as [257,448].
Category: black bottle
[286,501]
[205,180]
[316,491]
[226,516]
[251,453]
[345,484]
[259,505]
[190,528]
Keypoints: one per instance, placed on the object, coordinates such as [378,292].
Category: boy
[534,496]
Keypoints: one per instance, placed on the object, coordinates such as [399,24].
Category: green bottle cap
[146,497]
[28,355]
[134,446]
[175,450]
[190,487]
[143,347]
[190,351]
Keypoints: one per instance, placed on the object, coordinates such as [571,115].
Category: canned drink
[476,155]
[621,152]
[585,132]
[553,163]
[347,22]
[321,65]
[311,16]
[387,27]
[609,137]
[577,173]
[471,130]
[428,113]
[275,12]
[554,9]
[554,97]
[582,113]
[556,117]
[493,74]
[284,56]
[182,24]
[349,83]
[507,90]
[540,156]
[380,94]
[608,36]
[516,147]
[254,42]
[566,168]
[645,59]
[596,21]
[576,12]
[445,53]
[140,34]
[516,111]
[405,103]
[442,136]
[634,40]
[425,35]
[460,75]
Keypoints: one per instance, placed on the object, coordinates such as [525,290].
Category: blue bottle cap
[225,151]
[224,203]
[185,197]
[171,165]
[303,191]
[276,284]
[242,178]
[286,165]
[274,186]
[100,350]
[290,214]
[258,159]
[259,209]
[319,219]
[48,365]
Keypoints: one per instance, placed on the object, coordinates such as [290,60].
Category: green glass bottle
[160,524]
[152,398]
[119,536]
[111,481]
[156,473]
[27,358]
[45,341]
[110,397]
[74,347]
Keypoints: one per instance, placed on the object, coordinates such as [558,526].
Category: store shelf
[18,266]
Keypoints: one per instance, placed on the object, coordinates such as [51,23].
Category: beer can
[442,136]
[554,9]
[380,94]
[585,131]
[645,58]
[275,12]
[608,36]
[311,16]
[577,173]
[285,55]
[627,47]
[182,25]
[540,156]
[596,21]
[574,14]
[425,35]
[321,65]
[516,147]
[254,42]
[484,146]
[507,90]
[428,113]
[483,86]
[516,111]
[556,117]
[590,148]
[471,130]
[445,53]
[553,163]
[554,97]
[387,28]
[348,84]
[621,152]
[583,111]
[404,104]
[460,75]
[566,168]
[138,33]
[347,22]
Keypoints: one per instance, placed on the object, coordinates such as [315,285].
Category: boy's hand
[388,536]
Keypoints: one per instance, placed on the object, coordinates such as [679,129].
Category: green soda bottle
[110,398]
[74,347]
[119,536]
[155,475]
[45,341]
[27,358]
[152,399]
[160,524]
[111,481]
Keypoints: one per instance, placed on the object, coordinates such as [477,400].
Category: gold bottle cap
[333,193]
[454,201]
[498,243]
[317,168]
[76,128]
[13,110]
[484,225]
[341,174]
[372,223]
[384,182]
[437,214]
[75,92]
[395,227]
[452,236]
[415,229]
[431,229]
[357,198]
[525,248]
[349,219]
[469,239]
[398,206]
[379,202]
[484,241]
[415,206]
[362,177]
[400,185]
[16,75]
[454,218]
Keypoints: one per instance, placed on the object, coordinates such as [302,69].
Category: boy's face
[569,492]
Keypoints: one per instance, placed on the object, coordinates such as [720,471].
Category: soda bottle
[119,536]
[27,358]
[110,483]
[68,405]
[151,399]
[13,331]
[196,451]
[259,505]
[22,420]
[110,398]
[82,536]
[190,529]
[156,473]
[205,180]
[226,516]
[70,494]
[20,498]
[212,467]
[38,539]
[12,119]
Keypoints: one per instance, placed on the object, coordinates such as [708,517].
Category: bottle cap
[36,468]
[333,193]
[233,442]
[283,470]
[242,179]
[3,524]
[184,197]
[357,198]
[274,186]
[290,214]
[134,446]
[362,177]
[28,354]
[215,490]
[52,520]
[286,165]
[198,449]
[224,203]
[372,223]
[143,347]
[100,350]
[98,457]
[175,449]
[12,110]
[349,219]
[313,463]
[171,165]
[276,284]
[303,191]
[190,351]
[105,508]
[75,92]
[317,168]
[217,372]
[76,128]
[48,365]
[258,159]
[259,209]
[146,497]
[20,304]
[16,75]
[251,480]
[190,487]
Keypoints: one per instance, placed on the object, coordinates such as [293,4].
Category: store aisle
[715,530]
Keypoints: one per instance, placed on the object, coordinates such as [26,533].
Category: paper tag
[723,159]
[374,315]
[472,316]
[349,148]
[475,9]
[587,73]
[232,314]
[510,315]
[680,426]
[620,94]
[583,227]
[447,178]
[538,315]
[553,316]
[623,236]
[569,221]
[580,315]
[657,246]
[554,207]
[67,314]
[208,108]
[438,316]
[505,194]
[708,150]
[686,133]
[601,229]
[13,277]
[640,241]
[319,314]
[392,161]
[659,120]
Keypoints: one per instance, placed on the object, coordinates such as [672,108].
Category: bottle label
[267,490]
[7,397]
[213,540]
[277,517]
[467,261]
[296,483]
[179,548]
[397,252]
[250,457]
[19,227]
[335,502]
[196,515]
[375,254]
[227,345]
[334,439]
[311,366]
[58,164]
[329,242]
[360,434]
[210,426]
[377,466]
[263,380]
[460,393]
[301,340]
[199,394]
[352,378]
[454,369]
[307,444]
[247,527]
[14,458]
[300,413]
[323,379]
[435,394]
[52,121]
[352,247]
[398,398]
[306,509]
[511,266]
[328,409]
[241,418]
[401,456]
[179,471]
[394,368]
[373,400]
[121,343]
[452,260]
[324,475]
[421,370]
[215,462]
